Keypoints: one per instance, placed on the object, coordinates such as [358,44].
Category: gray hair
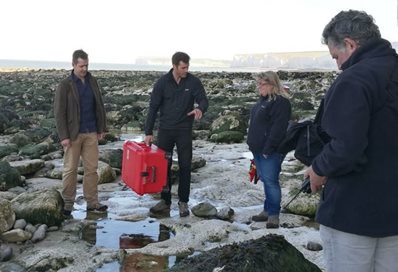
[356,25]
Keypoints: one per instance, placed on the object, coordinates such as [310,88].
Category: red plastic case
[144,168]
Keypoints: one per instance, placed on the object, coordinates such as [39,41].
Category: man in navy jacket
[358,168]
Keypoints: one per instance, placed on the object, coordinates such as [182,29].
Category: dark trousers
[182,139]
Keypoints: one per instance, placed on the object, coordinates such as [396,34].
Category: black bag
[306,138]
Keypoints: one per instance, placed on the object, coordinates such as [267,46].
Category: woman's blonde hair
[272,78]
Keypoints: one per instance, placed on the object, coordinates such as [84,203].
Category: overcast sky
[118,31]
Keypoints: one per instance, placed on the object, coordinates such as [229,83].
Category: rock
[29,227]
[34,151]
[10,266]
[225,213]
[37,134]
[20,139]
[7,215]
[7,195]
[37,184]
[20,224]
[40,233]
[314,246]
[6,150]
[16,235]
[106,174]
[231,121]
[40,207]
[113,157]
[9,176]
[227,137]
[204,209]
[269,253]
[27,167]
[5,254]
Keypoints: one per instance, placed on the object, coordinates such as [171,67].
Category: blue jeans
[268,170]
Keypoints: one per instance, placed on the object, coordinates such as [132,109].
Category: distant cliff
[308,60]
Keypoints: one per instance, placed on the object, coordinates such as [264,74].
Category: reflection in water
[89,233]
[142,262]
[134,240]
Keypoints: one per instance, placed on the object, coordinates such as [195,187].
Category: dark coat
[360,161]
[268,123]
[67,108]
[174,101]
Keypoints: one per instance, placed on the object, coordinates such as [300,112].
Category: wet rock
[9,176]
[27,167]
[20,224]
[16,235]
[269,253]
[40,207]
[7,215]
[314,246]
[225,213]
[204,209]
[40,233]
[106,173]
[5,254]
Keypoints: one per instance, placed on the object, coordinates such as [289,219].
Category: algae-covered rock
[40,207]
[271,253]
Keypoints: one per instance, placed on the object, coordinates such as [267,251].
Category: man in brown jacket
[81,122]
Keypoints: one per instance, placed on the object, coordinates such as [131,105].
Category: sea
[9,65]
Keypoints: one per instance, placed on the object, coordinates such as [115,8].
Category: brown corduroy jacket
[67,108]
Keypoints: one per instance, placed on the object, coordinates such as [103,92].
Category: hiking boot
[183,208]
[98,208]
[160,207]
[261,217]
[273,222]
[66,213]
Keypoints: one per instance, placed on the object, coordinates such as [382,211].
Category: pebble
[314,246]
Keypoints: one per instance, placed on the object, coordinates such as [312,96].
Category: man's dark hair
[79,54]
[356,25]
[180,56]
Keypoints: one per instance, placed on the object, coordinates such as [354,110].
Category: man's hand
[66,142]
[197,112]
[316,181]
[148,140]
[100,136]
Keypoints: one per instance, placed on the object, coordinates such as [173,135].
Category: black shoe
[66,212]
[99,208]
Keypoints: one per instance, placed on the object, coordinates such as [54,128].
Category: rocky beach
[34,236]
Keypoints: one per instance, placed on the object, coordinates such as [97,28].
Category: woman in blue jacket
[269,119]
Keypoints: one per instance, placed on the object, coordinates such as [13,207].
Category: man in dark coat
[174,96]
[358,168]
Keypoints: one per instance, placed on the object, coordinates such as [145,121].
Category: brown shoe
[160,207]
[273,222]
[98,208]
[261,217]
[183,208]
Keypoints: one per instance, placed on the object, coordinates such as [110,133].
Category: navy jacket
[268,124]
[361,160]
[174,101]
